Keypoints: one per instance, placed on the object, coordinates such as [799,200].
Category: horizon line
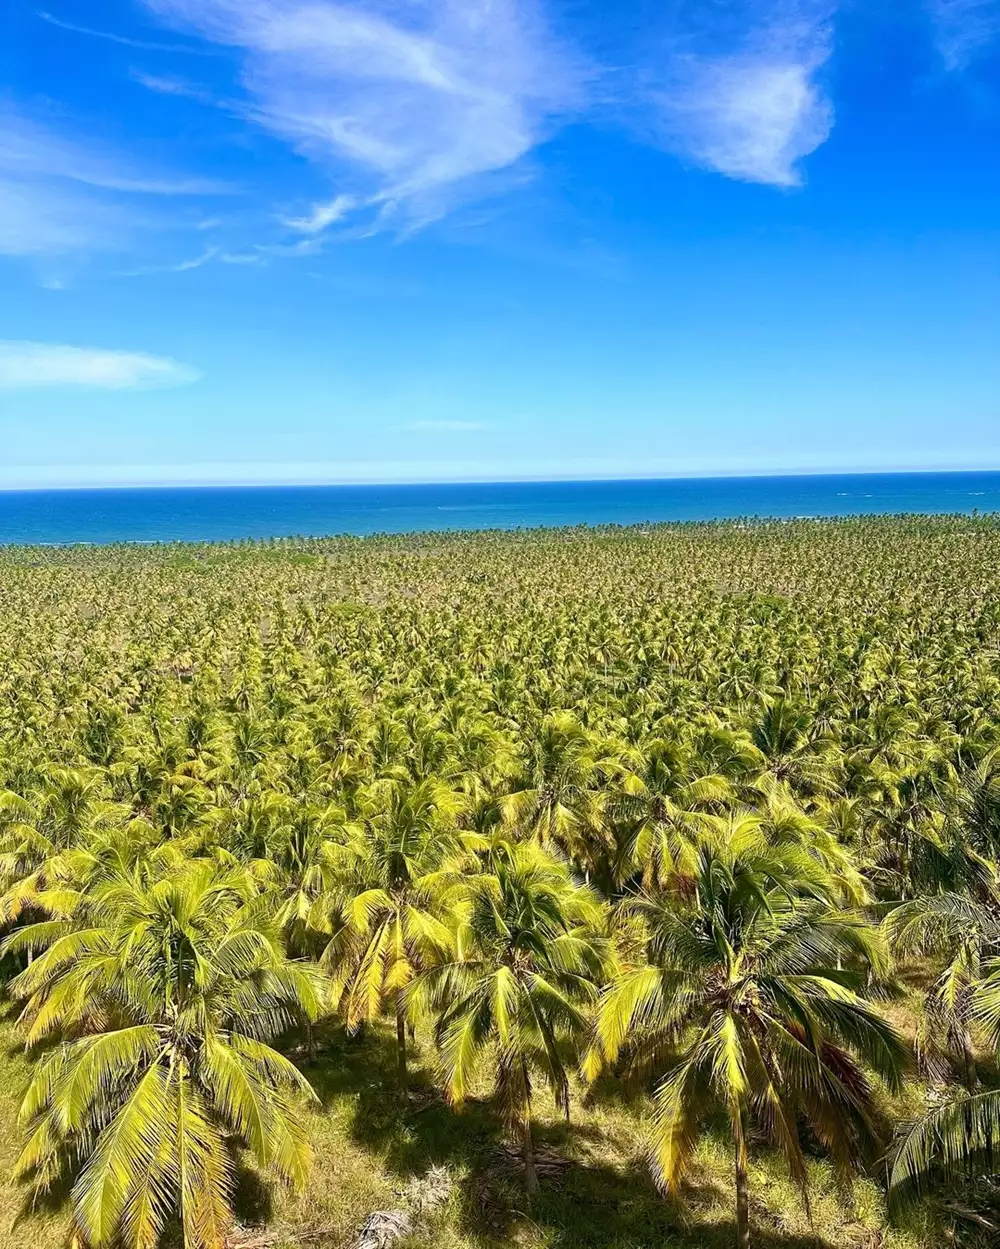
[256,484]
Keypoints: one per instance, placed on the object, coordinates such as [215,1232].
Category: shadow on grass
[253,1197]
[587,1204]
[610,1090]
[412,1137]
[53,1200]
[596,1206]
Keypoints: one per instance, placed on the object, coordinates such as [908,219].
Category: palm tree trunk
[401,1045]
[969,1059]
[528,1152]
[742,1191]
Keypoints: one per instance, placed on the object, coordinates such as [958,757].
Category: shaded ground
[602,1197]
[369,1153]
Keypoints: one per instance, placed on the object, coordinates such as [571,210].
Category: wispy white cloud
[444,427]
[322,215]
[61,193]
[172,86]
[411,108]
[36,220]
[241,258]
[964,29]
[748,119]
[145,45]
[752,107]
[25,365]
[179,266]
[311,245]
[196,262]
[419,102]
[28,149]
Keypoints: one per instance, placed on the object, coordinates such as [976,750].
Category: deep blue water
[223,513]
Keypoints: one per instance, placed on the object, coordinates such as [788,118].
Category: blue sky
[302,240]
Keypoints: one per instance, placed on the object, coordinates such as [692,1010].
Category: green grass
[43,1229]
[369,1154]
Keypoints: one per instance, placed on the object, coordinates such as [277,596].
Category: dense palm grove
[684,807]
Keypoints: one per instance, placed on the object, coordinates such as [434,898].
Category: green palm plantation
[530,958]
[753,1003]
[667,798]
[389,906]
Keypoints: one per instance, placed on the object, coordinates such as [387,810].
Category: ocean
[196,514]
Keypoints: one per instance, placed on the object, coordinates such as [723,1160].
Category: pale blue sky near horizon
[433,240]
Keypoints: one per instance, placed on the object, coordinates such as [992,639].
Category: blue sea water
[231,512]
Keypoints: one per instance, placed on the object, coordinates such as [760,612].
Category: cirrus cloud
[750,120]
[410,110]
[750,106]
[964,29]
[31,150]
[31,366]
[62,193]
[408,105]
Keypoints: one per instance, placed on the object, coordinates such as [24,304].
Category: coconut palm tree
[960,1140]
[964,932]
[389,907]
[557,797]
[549,798]
[753,1001]
[530,959]
[975,807]
[155,1003]
[660,811]
[793,751]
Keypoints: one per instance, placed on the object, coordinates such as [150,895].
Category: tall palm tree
[550,795]
[961,1139]
[388,909]
[965,932]
[976,808]
[557,796]
[660,811]
[753,1000]
[530,960]
[156,1001]
[794,753]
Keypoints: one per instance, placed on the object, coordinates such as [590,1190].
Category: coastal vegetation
[588,887]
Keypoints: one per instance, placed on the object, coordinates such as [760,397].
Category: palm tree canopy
[157,1001]
[530,957]
[754,999]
